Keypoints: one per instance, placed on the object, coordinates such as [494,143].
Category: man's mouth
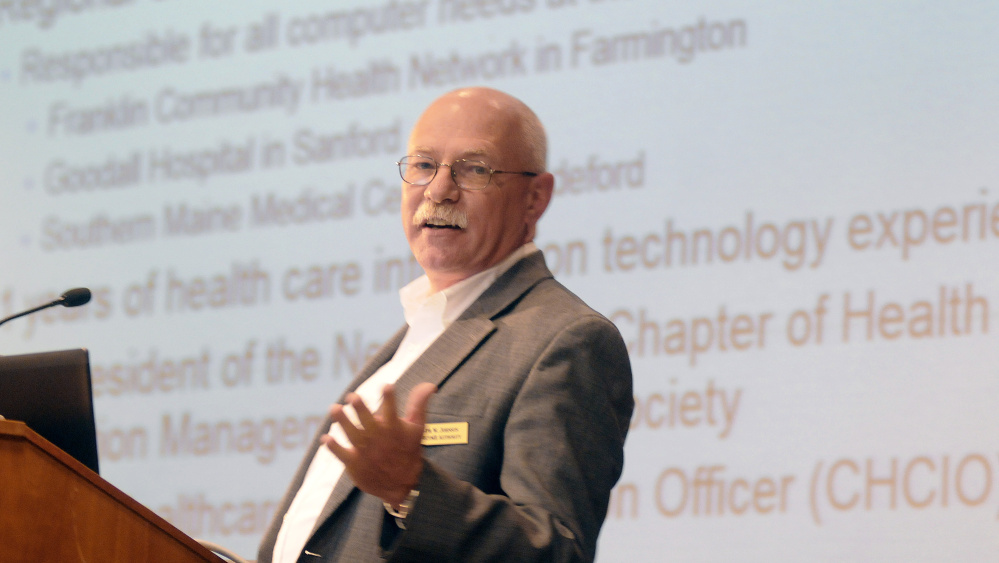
[439,224]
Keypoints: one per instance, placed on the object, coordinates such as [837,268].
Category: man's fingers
[354,434]
[364,415]
[344,454]
[416,406]
[388,406]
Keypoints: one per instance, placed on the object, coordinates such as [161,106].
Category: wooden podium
[53,508]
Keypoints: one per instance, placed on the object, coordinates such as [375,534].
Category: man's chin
[435,263]
[443,261]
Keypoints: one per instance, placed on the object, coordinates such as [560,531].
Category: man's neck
[439,281]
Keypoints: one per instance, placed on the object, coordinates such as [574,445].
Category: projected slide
[789,209]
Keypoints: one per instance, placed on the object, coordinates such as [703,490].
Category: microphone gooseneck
[72,298]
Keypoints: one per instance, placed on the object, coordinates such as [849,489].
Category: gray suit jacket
[544,383]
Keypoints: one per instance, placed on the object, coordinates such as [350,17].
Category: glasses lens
[418,170]
[472,174]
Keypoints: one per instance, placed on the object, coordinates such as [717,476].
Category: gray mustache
[441,214]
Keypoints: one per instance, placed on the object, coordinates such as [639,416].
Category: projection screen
[789,209]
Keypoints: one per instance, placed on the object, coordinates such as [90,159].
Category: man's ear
[539,195]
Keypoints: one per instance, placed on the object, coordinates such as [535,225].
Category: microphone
[72,298]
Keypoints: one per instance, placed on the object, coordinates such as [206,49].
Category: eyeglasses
[420,170]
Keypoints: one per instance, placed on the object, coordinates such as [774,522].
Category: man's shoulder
[551,290]
[538,289]
[556,303]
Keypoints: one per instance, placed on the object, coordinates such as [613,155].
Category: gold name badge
[445,433]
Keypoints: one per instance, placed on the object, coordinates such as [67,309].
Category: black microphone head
[75,297]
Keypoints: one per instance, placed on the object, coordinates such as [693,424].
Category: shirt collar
[420,306]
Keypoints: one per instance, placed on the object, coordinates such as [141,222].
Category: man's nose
[442,187]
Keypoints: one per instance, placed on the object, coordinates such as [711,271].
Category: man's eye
[423,165]
[479,170]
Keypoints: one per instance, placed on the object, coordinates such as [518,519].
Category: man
[518,395]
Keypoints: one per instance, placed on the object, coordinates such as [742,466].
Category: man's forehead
[431,150]
[464,139]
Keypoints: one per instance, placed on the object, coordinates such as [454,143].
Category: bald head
[526,138]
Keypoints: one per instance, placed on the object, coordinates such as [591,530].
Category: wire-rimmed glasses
[420,170]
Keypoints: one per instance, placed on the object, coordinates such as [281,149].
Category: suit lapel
[383,355]
[447,352]
[471,328]
[345,485]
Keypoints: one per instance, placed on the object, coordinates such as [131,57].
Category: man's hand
[386,458]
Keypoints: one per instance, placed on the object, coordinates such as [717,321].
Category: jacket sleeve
[562,453]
